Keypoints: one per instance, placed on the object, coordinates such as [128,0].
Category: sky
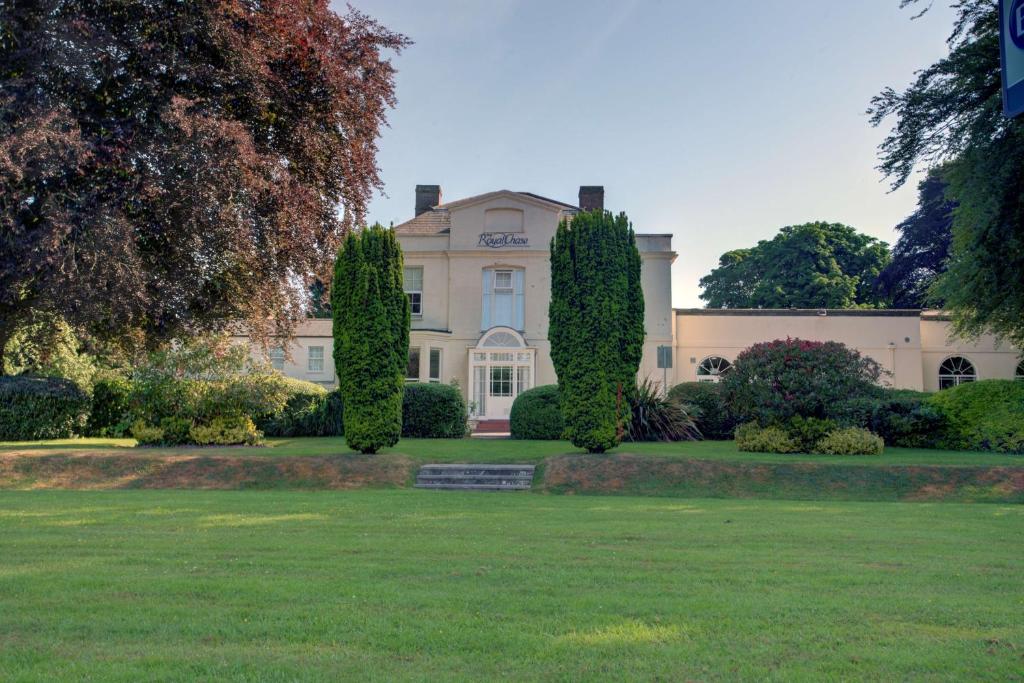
[719,122]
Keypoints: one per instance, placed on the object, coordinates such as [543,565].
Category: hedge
[537,414]
[713,418]
[982,416]
[111,406]
[310,410]
[33,408]
[433,411]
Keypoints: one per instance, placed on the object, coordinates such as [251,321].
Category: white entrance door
[501,391]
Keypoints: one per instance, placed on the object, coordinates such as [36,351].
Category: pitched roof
[433,222]
[437,221]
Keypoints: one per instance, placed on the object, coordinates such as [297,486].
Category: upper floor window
[956,370]
[316,359]
[712,368]
[502,303]
[276,356]
[413,285]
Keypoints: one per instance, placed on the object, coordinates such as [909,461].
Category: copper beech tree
[167,168]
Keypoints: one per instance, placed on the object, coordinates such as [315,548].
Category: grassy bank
[507,450]
[418,585]
[708,469]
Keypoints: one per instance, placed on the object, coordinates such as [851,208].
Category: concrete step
[467,477]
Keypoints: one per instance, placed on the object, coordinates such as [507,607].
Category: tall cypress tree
[596,324]
[371,337]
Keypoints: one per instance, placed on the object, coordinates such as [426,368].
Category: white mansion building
[478,277]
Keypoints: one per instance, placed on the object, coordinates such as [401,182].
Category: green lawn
[422,585]
[507,450]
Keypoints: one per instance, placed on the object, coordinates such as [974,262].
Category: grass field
[507,450]
[423,585]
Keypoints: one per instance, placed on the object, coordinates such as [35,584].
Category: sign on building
[1011,47]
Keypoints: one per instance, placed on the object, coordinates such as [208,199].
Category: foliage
[45,346]
[371,337]
[806,432]
[773,381]
[656,417]
[753,438]
[147,434]
[982,416]
[596,325]
[920,254]
[202,380]
[172,168]
[310,410]
[952,114]
[707,407]
[228,431]
[906,419]
[111,405]
[433,411]
[537,414]
[41,408]
[814,265]
[850,441]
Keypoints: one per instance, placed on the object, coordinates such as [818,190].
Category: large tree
[596,325]
[170,167]
[371,337]
[814,265]
[922,250]
[952,114]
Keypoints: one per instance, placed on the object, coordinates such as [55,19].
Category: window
[479,403]
[712,368]
[412,369]
[413,285]
[316,359]
[522,379]
[435,365]
[956,370]
[276,356]
[1020,371]
[501,380]
[502,303]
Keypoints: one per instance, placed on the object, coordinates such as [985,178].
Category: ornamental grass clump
[657,417]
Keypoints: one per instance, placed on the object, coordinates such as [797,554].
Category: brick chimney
[592,197]
[427,197]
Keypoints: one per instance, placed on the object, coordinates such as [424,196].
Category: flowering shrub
[774,381]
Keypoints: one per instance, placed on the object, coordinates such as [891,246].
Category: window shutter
[485,303]
[518,311]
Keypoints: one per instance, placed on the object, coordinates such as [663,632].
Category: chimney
[592,197]
[427,197]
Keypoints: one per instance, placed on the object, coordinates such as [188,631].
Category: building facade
[478,278]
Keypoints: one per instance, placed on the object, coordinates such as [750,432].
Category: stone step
[470,477]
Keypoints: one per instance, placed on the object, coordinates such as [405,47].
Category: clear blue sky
[719,122]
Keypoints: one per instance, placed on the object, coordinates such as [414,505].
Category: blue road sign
[1011,47]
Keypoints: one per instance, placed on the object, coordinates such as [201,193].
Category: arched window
[956,370]
[712,368]
[1020,370]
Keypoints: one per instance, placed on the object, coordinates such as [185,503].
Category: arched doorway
[501,366]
